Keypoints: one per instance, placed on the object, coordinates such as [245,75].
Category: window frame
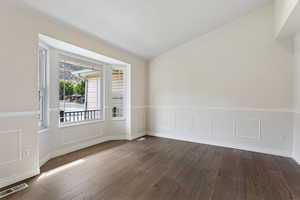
[61,55]
[43,91]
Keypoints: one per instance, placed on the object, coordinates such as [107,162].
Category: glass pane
[79,92]
[117,93]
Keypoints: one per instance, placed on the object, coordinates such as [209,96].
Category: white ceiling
[146,27]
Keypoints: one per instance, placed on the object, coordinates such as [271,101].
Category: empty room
[150,100]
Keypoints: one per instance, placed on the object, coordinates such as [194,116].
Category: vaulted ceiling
[146,27]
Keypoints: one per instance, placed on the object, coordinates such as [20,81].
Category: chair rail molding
[19,114]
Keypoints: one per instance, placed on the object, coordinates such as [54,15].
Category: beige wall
[237,65]
[20,27]
[231,87]
[296,100]
[296,151]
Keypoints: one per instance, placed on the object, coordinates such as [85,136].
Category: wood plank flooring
[164,169]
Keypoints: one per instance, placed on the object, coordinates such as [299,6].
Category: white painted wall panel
[81,132]
[18,147]
[10,140]
[183,120]
[223,128]
[262,131]
[296,138]
[202,126]
[248,129]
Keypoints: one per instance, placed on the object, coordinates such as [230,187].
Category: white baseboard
[79,146]
[137,135]
[45,159]
[14,179]
[296,159]
[76,147]
[215,143]
[112,138]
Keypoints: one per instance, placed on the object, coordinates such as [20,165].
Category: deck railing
[79,116]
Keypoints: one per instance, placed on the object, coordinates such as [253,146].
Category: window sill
[119,119]
[65,125]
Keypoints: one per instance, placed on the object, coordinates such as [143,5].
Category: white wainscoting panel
[18,143]
[118,128]
[10,143]
[248,129]
[266,131]
[75,134]
[223,128]
[202,125]
[163,119]
[296,137]
[183,120]
[138,122]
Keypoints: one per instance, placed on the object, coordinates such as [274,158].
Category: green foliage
[66,88]
[69,88]
[80,88]
[61,89]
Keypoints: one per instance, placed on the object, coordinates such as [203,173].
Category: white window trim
[71,124]
[47,96]
[90,61]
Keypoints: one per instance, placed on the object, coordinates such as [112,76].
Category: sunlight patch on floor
[61,168]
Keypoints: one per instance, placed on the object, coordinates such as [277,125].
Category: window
[118,92]
[42,84]
[80,90]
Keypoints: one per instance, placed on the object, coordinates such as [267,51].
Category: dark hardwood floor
[163,169]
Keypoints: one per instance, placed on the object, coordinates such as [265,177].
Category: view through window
[80,91]
[118,93]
